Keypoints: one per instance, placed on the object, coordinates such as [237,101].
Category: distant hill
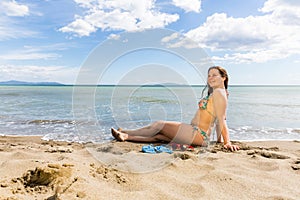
[14,82]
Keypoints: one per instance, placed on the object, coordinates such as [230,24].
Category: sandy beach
[32,168]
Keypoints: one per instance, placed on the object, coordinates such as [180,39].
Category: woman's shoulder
[220,92]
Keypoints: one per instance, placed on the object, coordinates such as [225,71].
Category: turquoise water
[87,113]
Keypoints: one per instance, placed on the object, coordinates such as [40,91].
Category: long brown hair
[223,74]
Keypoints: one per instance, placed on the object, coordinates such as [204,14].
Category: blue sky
[257,41]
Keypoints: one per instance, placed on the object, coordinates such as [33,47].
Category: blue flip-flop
[148,149]
[160,149]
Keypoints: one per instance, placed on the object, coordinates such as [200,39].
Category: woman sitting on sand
[212,110]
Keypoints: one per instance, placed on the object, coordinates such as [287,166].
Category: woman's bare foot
[120,130]
[118,135]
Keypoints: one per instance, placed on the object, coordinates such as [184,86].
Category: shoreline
[82,142]
[32,168]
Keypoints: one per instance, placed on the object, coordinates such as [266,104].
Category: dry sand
[35,169]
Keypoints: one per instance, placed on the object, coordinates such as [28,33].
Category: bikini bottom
[203,133]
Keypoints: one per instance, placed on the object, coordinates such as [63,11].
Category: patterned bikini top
[203,103]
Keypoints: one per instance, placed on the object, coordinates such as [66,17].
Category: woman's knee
[158,125]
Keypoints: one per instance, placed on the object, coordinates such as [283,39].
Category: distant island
[24,83]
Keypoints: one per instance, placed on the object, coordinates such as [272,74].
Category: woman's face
[214,79]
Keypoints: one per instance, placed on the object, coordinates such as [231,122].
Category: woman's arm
[220,106]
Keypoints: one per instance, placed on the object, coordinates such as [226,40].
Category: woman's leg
[146,131]
[149,133]
[182,133]
[125,137]
[161,131]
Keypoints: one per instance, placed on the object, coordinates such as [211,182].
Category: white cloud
[283,11]
[114,36]
[227,33]
[170,38]
[274,35]
[177,40]
[28,56]
[38,73]
[80,27]
[188,5]
[34,53]
[10,31]
[131,15]
[10,13]
[12,8]
[251,56]
[85,3]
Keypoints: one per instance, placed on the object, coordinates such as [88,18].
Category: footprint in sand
[267,154]
[184,156]
[108,174]
[296,164]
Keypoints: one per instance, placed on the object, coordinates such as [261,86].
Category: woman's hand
[232,147]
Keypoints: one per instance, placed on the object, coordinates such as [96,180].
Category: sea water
[86,113]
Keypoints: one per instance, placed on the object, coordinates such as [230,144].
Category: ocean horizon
[58,84]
